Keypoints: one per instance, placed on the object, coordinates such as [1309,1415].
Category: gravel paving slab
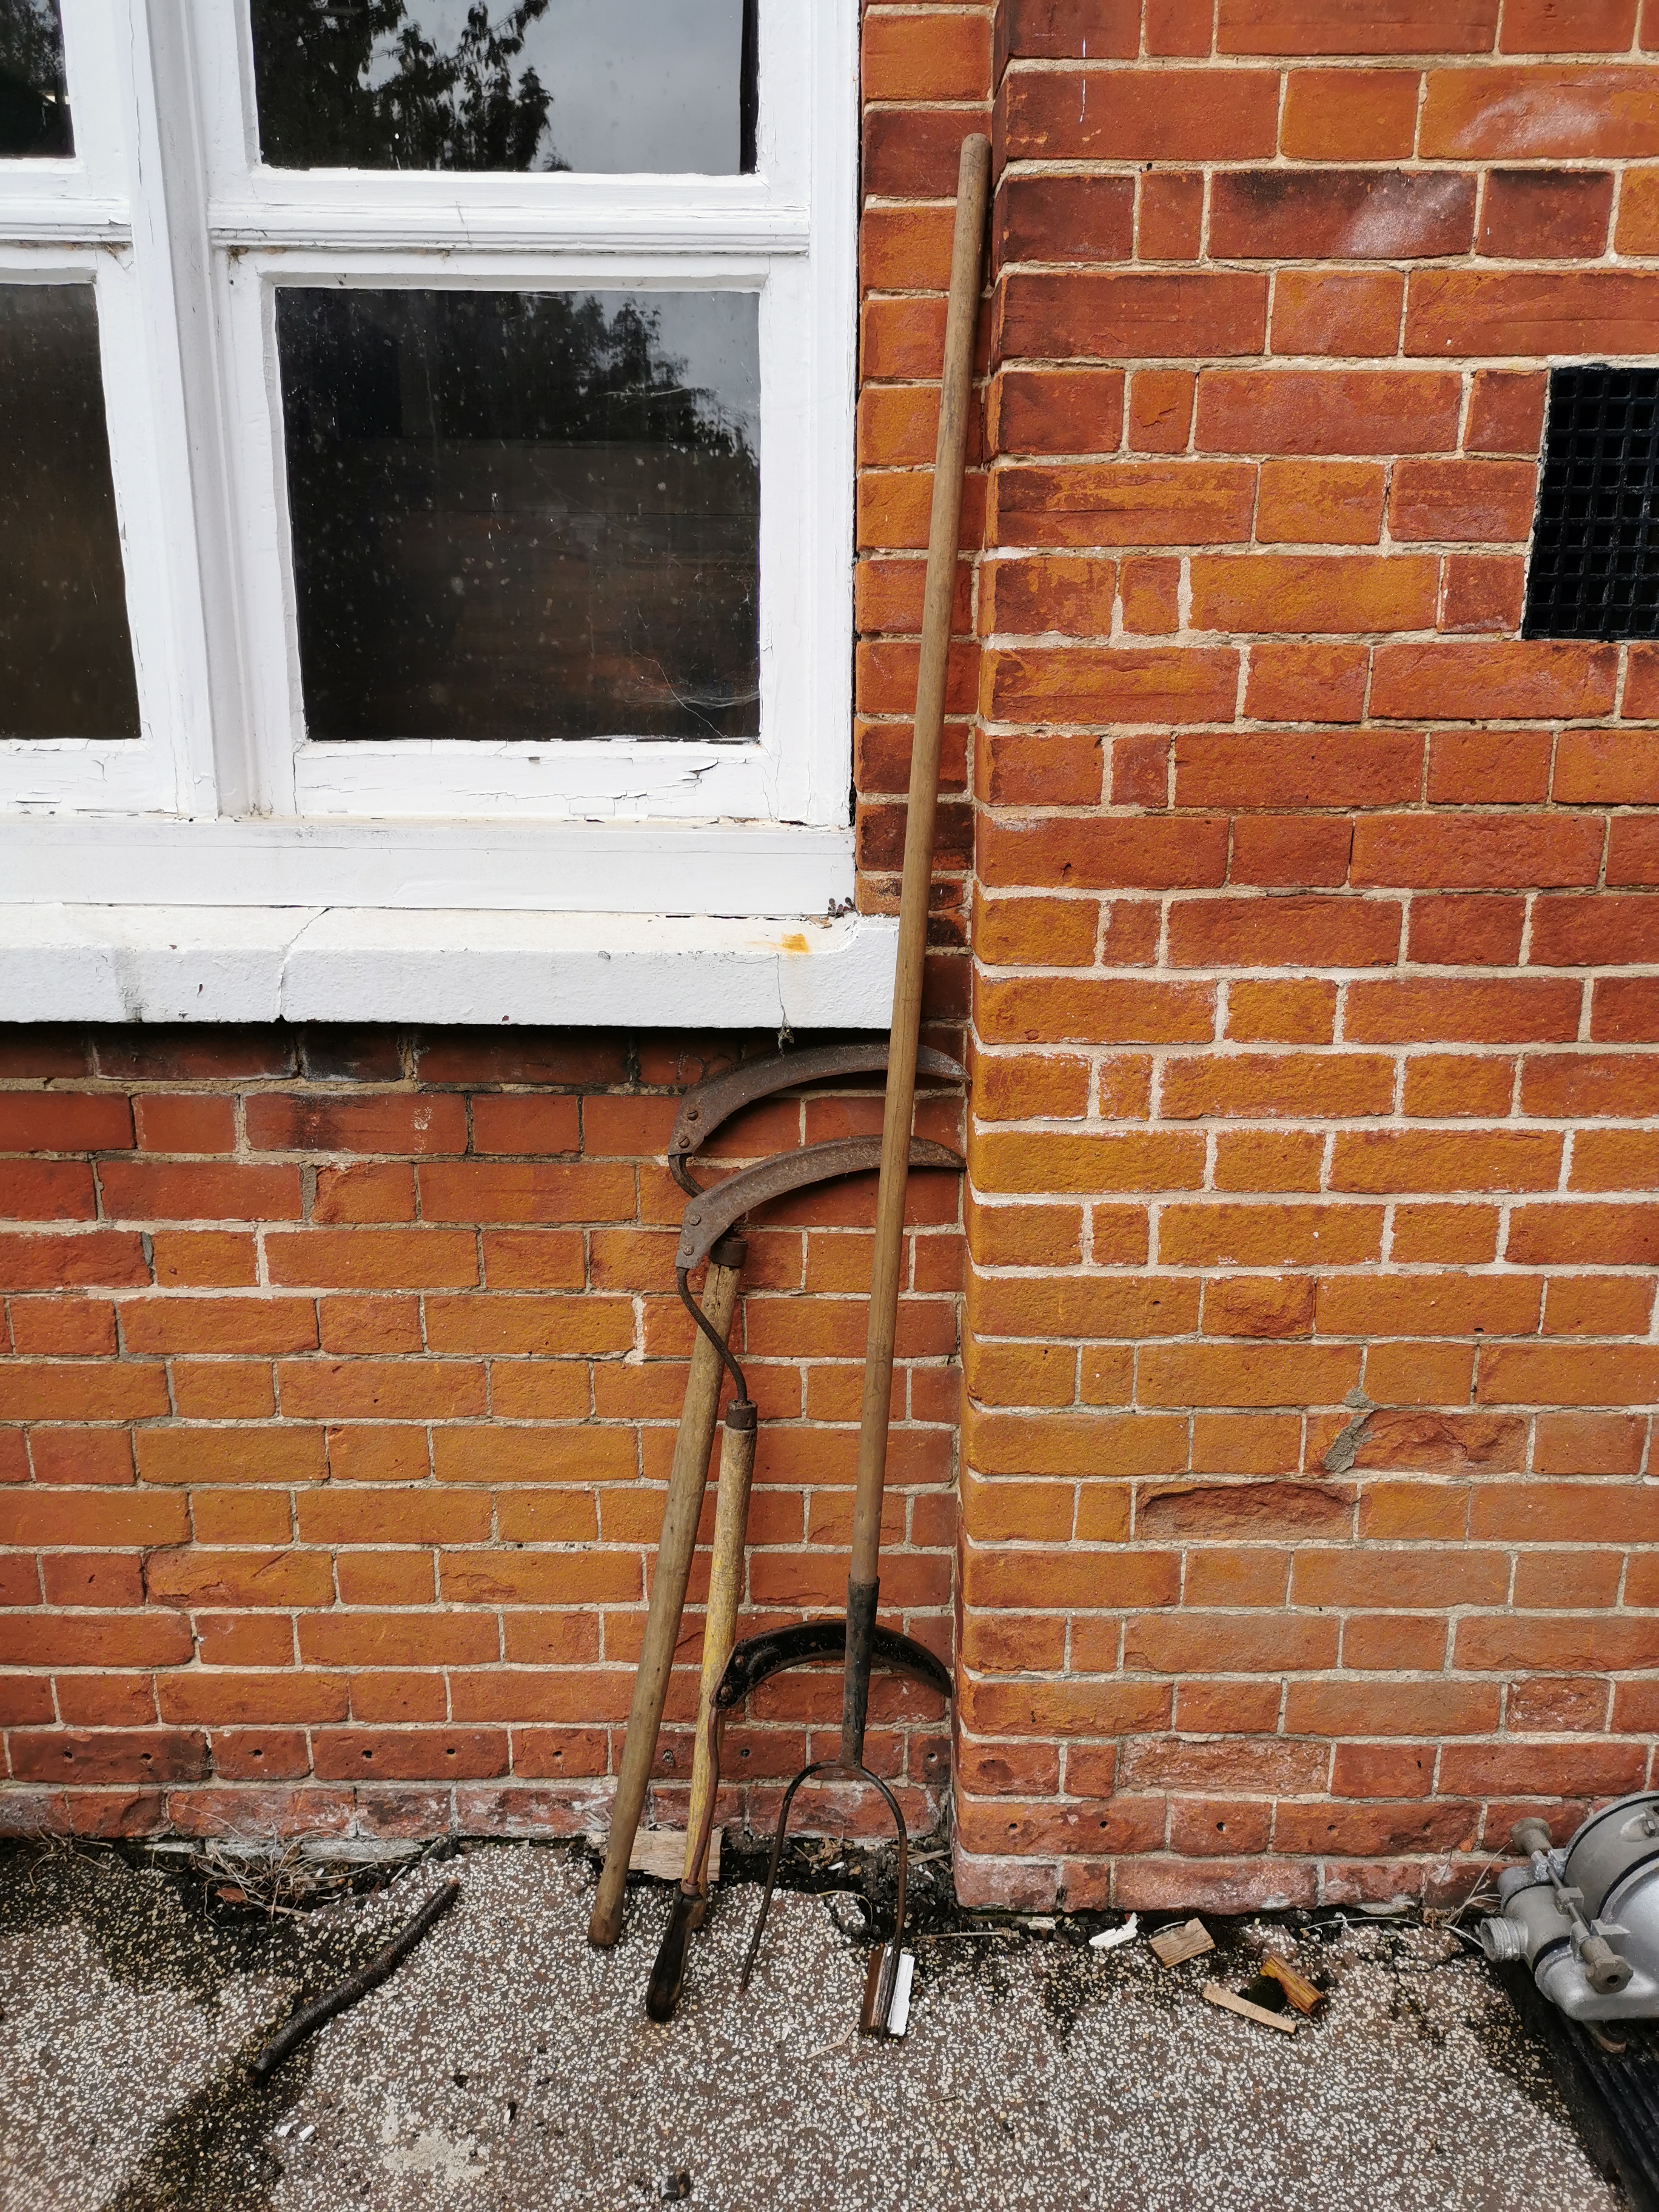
[506,2067]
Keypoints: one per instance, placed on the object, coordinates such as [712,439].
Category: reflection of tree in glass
[34,116]
[354,84]
[557,367]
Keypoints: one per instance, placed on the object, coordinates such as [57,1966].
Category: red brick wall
[338,1381]
[1308,920]
[1307,1535]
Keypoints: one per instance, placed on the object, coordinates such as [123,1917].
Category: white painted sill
[89,963]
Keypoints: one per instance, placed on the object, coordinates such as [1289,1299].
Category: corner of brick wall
[1306,1530]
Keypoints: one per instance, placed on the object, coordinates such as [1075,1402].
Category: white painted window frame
[184,236]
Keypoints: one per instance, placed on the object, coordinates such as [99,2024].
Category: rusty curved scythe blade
[758,1658]
[708,1105]
[713,1212]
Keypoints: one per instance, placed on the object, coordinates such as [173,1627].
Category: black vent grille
[1595,566]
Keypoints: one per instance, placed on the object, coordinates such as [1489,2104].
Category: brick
[1415,1710]
[1482,592]
[1506,412]
[1256,933]
[1411,1160]
[370,1258]
[1135,115]
[1355,26]
[126,1755]
[1268,1236]
[1469,500]
[1529,215]
[1306,683]
[1608,1235]
[1567,1375]
[1029,597]
[1290,851]
[1121,503]
[1063,218]
[1050,932]
[1076,1578]
[63,1121]
[1466,931]
[1545,27]
[1463,1011]
[1535,113]
[529,1192]
[1245,1375]
[231,1325]
[1114,853]
[87,1639]
[289,1121]
[1268,1160]
[1319,503]
[1574,1086]
[912,152]
[1312,593]
[146,1190]
[1617,768]
[1327,412]
[1058,410]
[926,54]
[1150,591]
[1095,685]
[278,1454]
[1473,683]
[1161,409]
[1057,1161]
[1100,315]
[193,1576]
[1489,852]
[1347,312]
[43,1190]
[81,1391]
[1524,312]
[1633,850]
[1169,221]
[1442,1086]
[184,1122]
[1341,214]
[1582,1305]
[583,1453]
[1496,766]
[1046,1306]
[92,1258]
[1349,115]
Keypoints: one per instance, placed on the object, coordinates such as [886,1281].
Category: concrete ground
[508,2067]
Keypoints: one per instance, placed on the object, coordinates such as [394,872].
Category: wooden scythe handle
[955,401]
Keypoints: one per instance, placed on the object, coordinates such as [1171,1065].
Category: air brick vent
[1595,566]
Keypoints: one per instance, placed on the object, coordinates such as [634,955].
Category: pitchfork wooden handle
[956,402]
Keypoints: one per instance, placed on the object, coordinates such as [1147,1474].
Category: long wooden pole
[956,402]
[682,1510]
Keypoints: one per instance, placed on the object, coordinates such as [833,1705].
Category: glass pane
[65,651]
[477,84]
[34,116]
[522,514]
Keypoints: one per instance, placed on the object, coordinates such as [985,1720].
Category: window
[1595,566]
[437,482]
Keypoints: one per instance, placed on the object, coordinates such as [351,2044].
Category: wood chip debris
[1301,1992]
[660,1852]
[1109,1939]
[1190,1940]
[1214,1994]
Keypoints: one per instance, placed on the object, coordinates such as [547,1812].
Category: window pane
[65,651]
[34,116]
[524,514]
[483,84]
